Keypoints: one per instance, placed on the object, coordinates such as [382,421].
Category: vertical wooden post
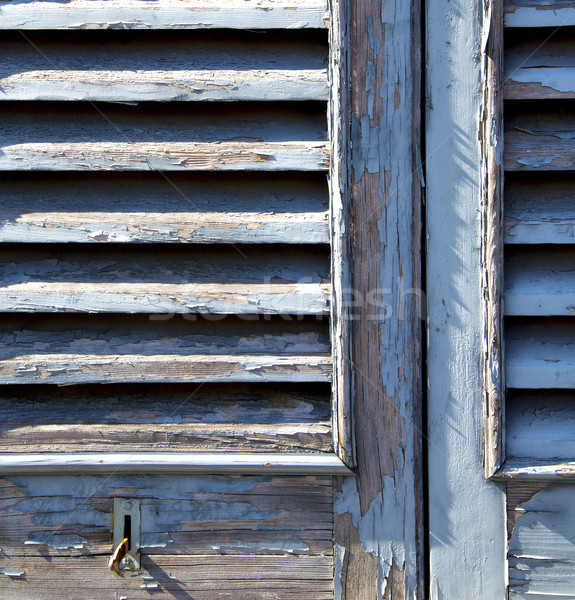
[378,524]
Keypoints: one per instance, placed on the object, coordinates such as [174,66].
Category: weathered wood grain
[136,349]
[165,14]
[250,536]
[539,210]
[540,281]
[540,354]
[151,208]
[539,137]
[151,137]
[540,425]
[539,13]
[541,547]
[168,418]
[529,469]
[383,504]
[539,66]
[162,67]
[492,240]
[226,280]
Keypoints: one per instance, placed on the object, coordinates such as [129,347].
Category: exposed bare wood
[539,210]
[256,529]
[540,138]
[492,242]
[341,202]
[162,67]
[539,13]
[166,14]
[540,354]
[519,492]
[384,502]
[537,470]
[217,281]
[149,208]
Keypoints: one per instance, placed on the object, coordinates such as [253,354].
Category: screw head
[126,561]
[127,505]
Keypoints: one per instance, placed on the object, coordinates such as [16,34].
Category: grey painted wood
[531,471]
[539,13]
[152,137]
[151,208]
[540,355]
[98,349]
[538,66]
[539,210]
[539,282]
[162,67]
[165,14]
[540,426]
[542,547]
[225,280]
[466,513]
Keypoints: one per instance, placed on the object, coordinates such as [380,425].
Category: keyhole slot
[128,531]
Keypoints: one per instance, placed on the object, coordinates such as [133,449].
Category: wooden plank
[539,13]
[162,67]
[164,418]
[227,521]
[227,280]
[164,14]
[540,138]
[541,548]
[540,426]
[383,503]
[539,281]
[466,521]
[492,241]
[149,137]
[539,66]
[149,208]
[239,463]
[539,210]
[82,349]
[540,355]
[260,530]
[554,471]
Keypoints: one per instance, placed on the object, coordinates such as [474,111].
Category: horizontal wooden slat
[157,136]
[540,354]
[162,67]
[540,281]
[539,210]
[529,469]
[164,14]
[539,137]
[145,418]
[540,425]
[539,13]
[97,349]
[539,65]
[147,208]
[215,280]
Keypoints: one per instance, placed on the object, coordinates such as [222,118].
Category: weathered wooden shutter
[166,297]
[165,228]
[539,295]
